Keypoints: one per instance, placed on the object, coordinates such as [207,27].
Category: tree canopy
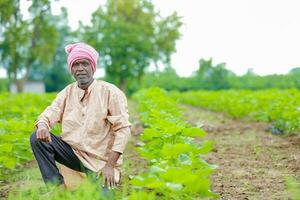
[25,43]
[130,35]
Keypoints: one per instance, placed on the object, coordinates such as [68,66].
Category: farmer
[95,126]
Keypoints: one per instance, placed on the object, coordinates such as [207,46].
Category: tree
[167,79]
[213,77]
[130,35]
[26,43]
[166,35]
[56,75]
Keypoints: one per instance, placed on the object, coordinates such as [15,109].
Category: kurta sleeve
[53,113]
[119,119]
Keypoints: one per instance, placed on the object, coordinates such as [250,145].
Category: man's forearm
[112,158]
[42,124]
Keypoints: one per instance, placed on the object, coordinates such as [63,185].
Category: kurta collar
[81,92]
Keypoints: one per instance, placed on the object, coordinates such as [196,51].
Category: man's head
[82,71]
[82,62]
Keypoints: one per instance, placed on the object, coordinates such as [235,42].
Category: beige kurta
[94,122]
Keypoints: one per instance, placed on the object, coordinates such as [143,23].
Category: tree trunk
[20,82]
[19,85]
[156,66]
[15,80]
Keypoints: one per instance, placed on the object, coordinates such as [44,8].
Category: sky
[260,34]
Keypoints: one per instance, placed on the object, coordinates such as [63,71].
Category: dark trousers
[47,153]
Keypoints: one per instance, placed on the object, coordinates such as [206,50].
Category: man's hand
[108,170]
[109,176]
[42,132]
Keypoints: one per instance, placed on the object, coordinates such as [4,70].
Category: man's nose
[80,66]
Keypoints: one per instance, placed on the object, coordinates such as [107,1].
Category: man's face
[82,71]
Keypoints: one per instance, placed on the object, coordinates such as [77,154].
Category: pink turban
[81,51]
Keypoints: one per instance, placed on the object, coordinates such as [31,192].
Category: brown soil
[133,163]
[5,185]
[4,190]
[252,163]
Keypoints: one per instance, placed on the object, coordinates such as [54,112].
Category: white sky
[260,34]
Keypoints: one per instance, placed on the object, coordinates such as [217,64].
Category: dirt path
[253,163]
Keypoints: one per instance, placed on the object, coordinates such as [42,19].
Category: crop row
[174,151]
[278,107]
[172,148]
[17,116]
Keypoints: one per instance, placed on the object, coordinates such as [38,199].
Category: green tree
[167,79]
[204,73]
[295,70]
[56,75]
[213,77]
[220,77]
[3,85]
[26,43]
[130,35]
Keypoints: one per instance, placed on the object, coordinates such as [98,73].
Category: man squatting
[95,126]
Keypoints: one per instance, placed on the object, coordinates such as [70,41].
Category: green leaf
[8,162]
[6,147]
[206,147]
[173,150]
[193,132]
[148,134]
[145,195]
[174,186]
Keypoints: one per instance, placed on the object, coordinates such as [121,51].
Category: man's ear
[72,71]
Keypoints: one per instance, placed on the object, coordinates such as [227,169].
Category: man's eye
[85,64]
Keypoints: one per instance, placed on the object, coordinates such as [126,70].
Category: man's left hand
[109,176]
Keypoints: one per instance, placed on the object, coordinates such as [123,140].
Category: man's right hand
[42,132]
